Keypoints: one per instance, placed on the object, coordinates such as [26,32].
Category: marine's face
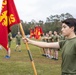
[66,30]
[18,32]
[50,32]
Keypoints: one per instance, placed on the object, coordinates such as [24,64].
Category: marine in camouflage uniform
[55,38]
[9,45]
[18,42]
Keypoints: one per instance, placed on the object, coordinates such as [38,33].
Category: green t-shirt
[68,48]
[43,39]
[50,38]
[9,37]
[46,39]
[18,38]
[61,37]
[55,38]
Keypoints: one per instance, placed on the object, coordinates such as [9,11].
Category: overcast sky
[40,9]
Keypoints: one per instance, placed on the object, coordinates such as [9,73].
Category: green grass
[20,64]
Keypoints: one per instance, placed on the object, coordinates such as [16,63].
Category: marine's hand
[25,40]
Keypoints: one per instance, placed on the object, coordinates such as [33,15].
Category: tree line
[53,22]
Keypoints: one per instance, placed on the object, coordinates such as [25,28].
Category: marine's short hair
[71,22]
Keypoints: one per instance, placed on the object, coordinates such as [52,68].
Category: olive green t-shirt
[55,38]
[68,48]
[61,37]
[9,37]
[43,39]
[50,38]
[18,38]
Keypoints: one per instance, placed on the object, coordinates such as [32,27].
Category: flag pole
[27,47]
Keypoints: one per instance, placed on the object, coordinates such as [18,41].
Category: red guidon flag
[8,17]
[38,32]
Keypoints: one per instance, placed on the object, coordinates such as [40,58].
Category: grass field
[20,64]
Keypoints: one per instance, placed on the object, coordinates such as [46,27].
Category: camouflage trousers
[68,74]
